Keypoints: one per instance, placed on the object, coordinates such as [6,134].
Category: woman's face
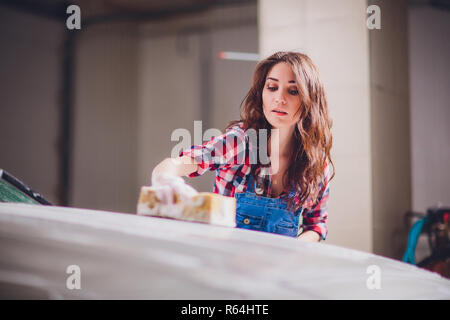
[280,97]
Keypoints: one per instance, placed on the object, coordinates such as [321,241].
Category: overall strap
[251,184]
[292,190]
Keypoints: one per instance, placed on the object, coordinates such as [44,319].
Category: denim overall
[260,213]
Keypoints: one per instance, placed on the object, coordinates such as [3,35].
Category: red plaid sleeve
[220,152]
[315,217]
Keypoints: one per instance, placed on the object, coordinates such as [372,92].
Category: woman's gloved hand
[167,185]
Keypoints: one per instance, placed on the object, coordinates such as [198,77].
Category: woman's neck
[281,142]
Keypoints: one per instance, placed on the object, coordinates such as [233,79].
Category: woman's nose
[280,99]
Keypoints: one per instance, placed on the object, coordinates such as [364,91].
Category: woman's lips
[279,113]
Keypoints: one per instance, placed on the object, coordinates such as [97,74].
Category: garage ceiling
[138,9]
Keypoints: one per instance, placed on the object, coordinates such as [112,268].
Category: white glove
[166,185]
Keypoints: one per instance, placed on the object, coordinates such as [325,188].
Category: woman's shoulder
[236,126]
[236,129]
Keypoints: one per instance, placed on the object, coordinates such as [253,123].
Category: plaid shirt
[229,155]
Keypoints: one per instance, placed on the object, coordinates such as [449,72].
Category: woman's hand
[166,177]
[309,236]
[167,185]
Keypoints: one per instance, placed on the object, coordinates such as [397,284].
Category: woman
[286,101]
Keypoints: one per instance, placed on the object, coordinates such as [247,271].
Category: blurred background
[86,114]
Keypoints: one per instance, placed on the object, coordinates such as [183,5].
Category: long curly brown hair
[313,130]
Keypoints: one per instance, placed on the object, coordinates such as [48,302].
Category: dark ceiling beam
[437,4]
[56,10]
[45,9]
[159,14]
[441,4]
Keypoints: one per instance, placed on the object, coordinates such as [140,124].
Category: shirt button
[246,221]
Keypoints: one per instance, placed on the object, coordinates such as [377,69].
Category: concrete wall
[334,35]
[429,50]
[430,108]
[30,78]
[169,96]
[105,118]
[390,128]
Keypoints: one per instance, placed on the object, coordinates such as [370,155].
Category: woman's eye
[271,88]
[293,92]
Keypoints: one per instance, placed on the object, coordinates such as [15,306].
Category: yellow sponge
[206,207]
